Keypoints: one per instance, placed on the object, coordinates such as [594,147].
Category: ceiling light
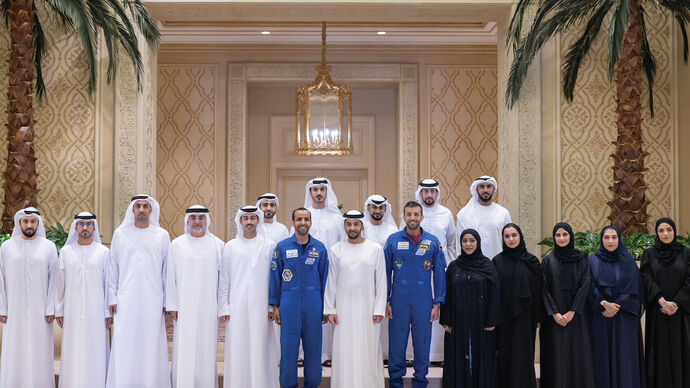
[265,32]
[381,33]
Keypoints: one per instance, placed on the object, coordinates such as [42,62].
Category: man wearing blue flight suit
[299,269]
[414,259]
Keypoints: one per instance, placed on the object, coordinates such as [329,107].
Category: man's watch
[602,302]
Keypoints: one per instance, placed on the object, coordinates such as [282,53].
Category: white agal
[250,357]
[28,273]
[193,266]
[356,291]
[81,291]
[136,284]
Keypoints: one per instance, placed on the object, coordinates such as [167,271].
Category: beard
[429,201]
[269,215]
[29,232]
[412,224]
[353,234]
[376,216]
[486,197]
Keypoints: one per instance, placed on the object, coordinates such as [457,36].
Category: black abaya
[522,311]
[566,358]
[472,304]
[667,337]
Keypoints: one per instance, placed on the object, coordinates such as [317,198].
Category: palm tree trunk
[629,204]
[20,173]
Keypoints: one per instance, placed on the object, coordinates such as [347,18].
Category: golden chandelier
[323,113]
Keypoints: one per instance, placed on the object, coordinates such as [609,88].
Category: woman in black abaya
[470,315]
[566,357]
[521,277]
[666,276]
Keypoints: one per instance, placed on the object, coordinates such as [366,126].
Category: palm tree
[628,57]
[109,21]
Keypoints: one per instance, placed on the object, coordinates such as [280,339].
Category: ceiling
[349,23]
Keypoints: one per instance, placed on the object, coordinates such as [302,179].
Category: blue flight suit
[409,269]
[298,281]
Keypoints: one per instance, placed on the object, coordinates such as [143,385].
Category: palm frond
[558,16]
[684,33]
[648,64]
[680,9]
[82,21]
[147,26]
[617,26]
[113,21]
[4,6]
[578,50]
[40,50]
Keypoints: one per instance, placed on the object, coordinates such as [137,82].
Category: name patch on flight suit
[398,263]
[291,253]
[287,275]
[427,265]
[403,245]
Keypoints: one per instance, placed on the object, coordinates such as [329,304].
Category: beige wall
[190,140]
[463,124]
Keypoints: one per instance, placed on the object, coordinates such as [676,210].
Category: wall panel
[188,131]
[463,126]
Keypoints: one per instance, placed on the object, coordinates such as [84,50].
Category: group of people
[342,290]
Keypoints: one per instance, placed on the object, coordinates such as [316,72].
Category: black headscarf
[525,261]
[476,261]
[666,252]
[568,256]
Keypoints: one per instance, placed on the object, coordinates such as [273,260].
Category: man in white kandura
[28,274]
[438,220]
[250,358]
[485,216]
[379,224]
[191,291]
[326,225]
[136,289]
[82,309]
[355,301]
[268,204]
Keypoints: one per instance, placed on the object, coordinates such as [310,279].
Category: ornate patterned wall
[463,125]
[588,128]
[64,130]
[186,161]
